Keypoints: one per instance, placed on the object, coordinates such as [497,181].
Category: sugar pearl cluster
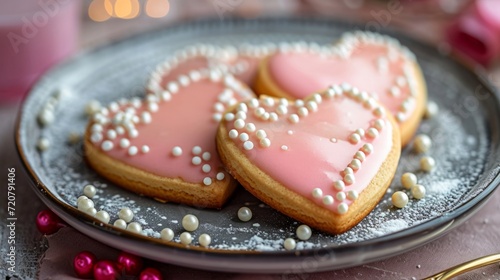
[85,204]
[117,125]
[267,109]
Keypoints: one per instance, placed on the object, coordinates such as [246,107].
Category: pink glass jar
[34,35]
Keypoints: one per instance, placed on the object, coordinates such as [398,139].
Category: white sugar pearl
[146,117]
[132,151]
[167,234]
[206,156]
[265,142]
[348,170]
[361,132]
[80,198]
[196,160]
[379,124]
[245,214]
[107,145]
[248,145]
[206,168]
[90,211]
[367,148]
[339,185]
[408,180]
[190,222]
[186,238]
[360,156]
[134,227]
[244,137]
[84,204]
[349,179]
[400,117]
[239,123]
[303,232]
[207,181]
[289,244]
[399,199]
[92,107]
[261,134]
[327,200]
[220,176]
[177,151]
[340,196]
[282,110]
[354,138]
[250,127]
[111,134]
[196,150]
[229,117]
[126,214]
[43,144]
[241,115]
[102,216]
[94,138]
[422,143]
[342,208]
[431,110]
[352,195]
[294,118]
[233,133]
[46,117]
[119,223]
[378,112]
[133,133]
[205,240]
[303,112]
[124,143]
[372,133]
[427,163]
[284,147]
[145,149]
[355,164]
[317,193]
[89,191]
[418,191]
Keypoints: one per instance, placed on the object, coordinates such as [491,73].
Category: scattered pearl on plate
[190,222]
[167,234]
[399,199]
[245,214]
[186,238]
[431,110]
[84,204]
[303,232]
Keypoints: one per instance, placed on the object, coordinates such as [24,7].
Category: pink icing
[302,73]
[185,121]
[312,160]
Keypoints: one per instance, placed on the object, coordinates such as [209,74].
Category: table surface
[36,253]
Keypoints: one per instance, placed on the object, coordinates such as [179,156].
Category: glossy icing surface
[378,67]
[314,151]
[187,120]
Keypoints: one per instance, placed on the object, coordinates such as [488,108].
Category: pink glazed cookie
[376,65]
[164,146]
[325,160]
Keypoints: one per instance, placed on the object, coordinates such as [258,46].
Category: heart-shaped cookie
[325,161]
[371,62]
[164,146]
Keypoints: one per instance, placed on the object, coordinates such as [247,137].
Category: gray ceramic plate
[465,137]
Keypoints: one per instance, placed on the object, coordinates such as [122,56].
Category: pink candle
[34,35]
